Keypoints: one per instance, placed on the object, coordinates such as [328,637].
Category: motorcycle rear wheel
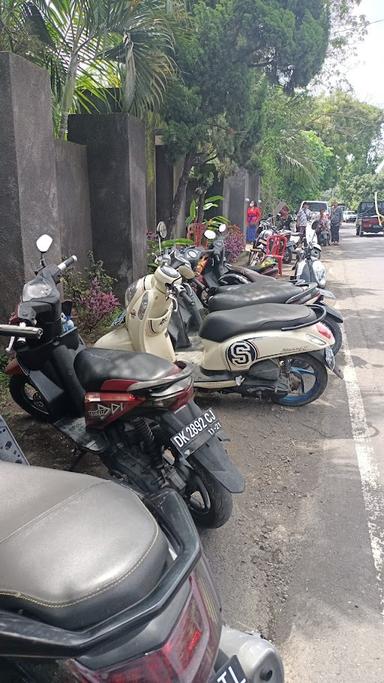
[304,366]
[209,503]
[28,398]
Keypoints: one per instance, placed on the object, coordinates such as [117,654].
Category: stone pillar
[180,223]
[164,185]
[150,155]
[235,191]
[73,200]
[117,186]
[28,196]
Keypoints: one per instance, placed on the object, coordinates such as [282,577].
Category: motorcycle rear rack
[320,312]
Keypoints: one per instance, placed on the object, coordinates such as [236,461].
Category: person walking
[336,220]
[302,219]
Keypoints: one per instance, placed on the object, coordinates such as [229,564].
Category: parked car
[349,216]
[315,207]
[367,221]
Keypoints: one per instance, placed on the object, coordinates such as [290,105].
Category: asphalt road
[303,557]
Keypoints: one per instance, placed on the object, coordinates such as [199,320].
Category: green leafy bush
[92,296]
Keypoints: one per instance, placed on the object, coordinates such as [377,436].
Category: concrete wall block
[117,184]
[73,200]
[28,194]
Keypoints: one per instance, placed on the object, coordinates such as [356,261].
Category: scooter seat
[248,295]
[221,325]
[74,549]
[95,366]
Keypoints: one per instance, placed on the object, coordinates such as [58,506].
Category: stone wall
[73,200]
[28,183]
[117,184]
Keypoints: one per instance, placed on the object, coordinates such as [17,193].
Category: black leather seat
[248,295]
[94,366]
[222,325]
[74,549]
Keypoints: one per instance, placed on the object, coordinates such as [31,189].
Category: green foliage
[363,187]
[227,54]
[209,203]
[351,129]
[92,296]
[79,40]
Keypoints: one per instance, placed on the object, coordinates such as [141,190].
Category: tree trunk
[67,97]
[200,206]
[179,194]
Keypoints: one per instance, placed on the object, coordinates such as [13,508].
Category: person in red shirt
[253,219]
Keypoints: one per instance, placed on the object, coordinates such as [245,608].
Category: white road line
[369,471]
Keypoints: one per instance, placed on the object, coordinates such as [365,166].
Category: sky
[365,70]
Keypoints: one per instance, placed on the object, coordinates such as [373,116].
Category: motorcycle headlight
[36,290]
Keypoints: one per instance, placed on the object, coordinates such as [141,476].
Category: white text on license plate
[205,422]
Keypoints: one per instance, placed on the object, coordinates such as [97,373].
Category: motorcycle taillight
[325,332]
[189,654]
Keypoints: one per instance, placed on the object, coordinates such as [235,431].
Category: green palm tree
[91,45]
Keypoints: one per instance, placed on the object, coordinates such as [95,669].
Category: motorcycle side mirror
[43,243]
[210,234]
[222,227]
[161,230]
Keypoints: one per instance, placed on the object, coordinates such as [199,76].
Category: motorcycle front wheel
[209,503]
[28,398]
[308,378]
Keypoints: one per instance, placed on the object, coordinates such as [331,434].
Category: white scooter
[308,267]
[280,351]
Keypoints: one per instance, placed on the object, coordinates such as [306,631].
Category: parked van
[315,207]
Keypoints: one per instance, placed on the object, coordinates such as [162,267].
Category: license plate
[197,433]
[330,358]
[231,672]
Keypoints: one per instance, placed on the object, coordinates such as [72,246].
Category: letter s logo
[241,354]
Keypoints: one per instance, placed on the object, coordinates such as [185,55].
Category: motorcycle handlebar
[18,331]
[67,263]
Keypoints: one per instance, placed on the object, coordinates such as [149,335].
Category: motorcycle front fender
[212,455]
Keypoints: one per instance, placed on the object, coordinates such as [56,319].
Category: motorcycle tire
[321,380]
[336,331]
[28,398]
[217,501]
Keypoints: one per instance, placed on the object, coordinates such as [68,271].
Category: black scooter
[96,585]
[135,411]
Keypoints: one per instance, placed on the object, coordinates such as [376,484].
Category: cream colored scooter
[280,351]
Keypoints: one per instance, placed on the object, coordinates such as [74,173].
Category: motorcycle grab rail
[320,316]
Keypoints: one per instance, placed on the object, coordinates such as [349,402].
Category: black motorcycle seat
[94,366]
[248,295]
[74,549]
[221,325]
